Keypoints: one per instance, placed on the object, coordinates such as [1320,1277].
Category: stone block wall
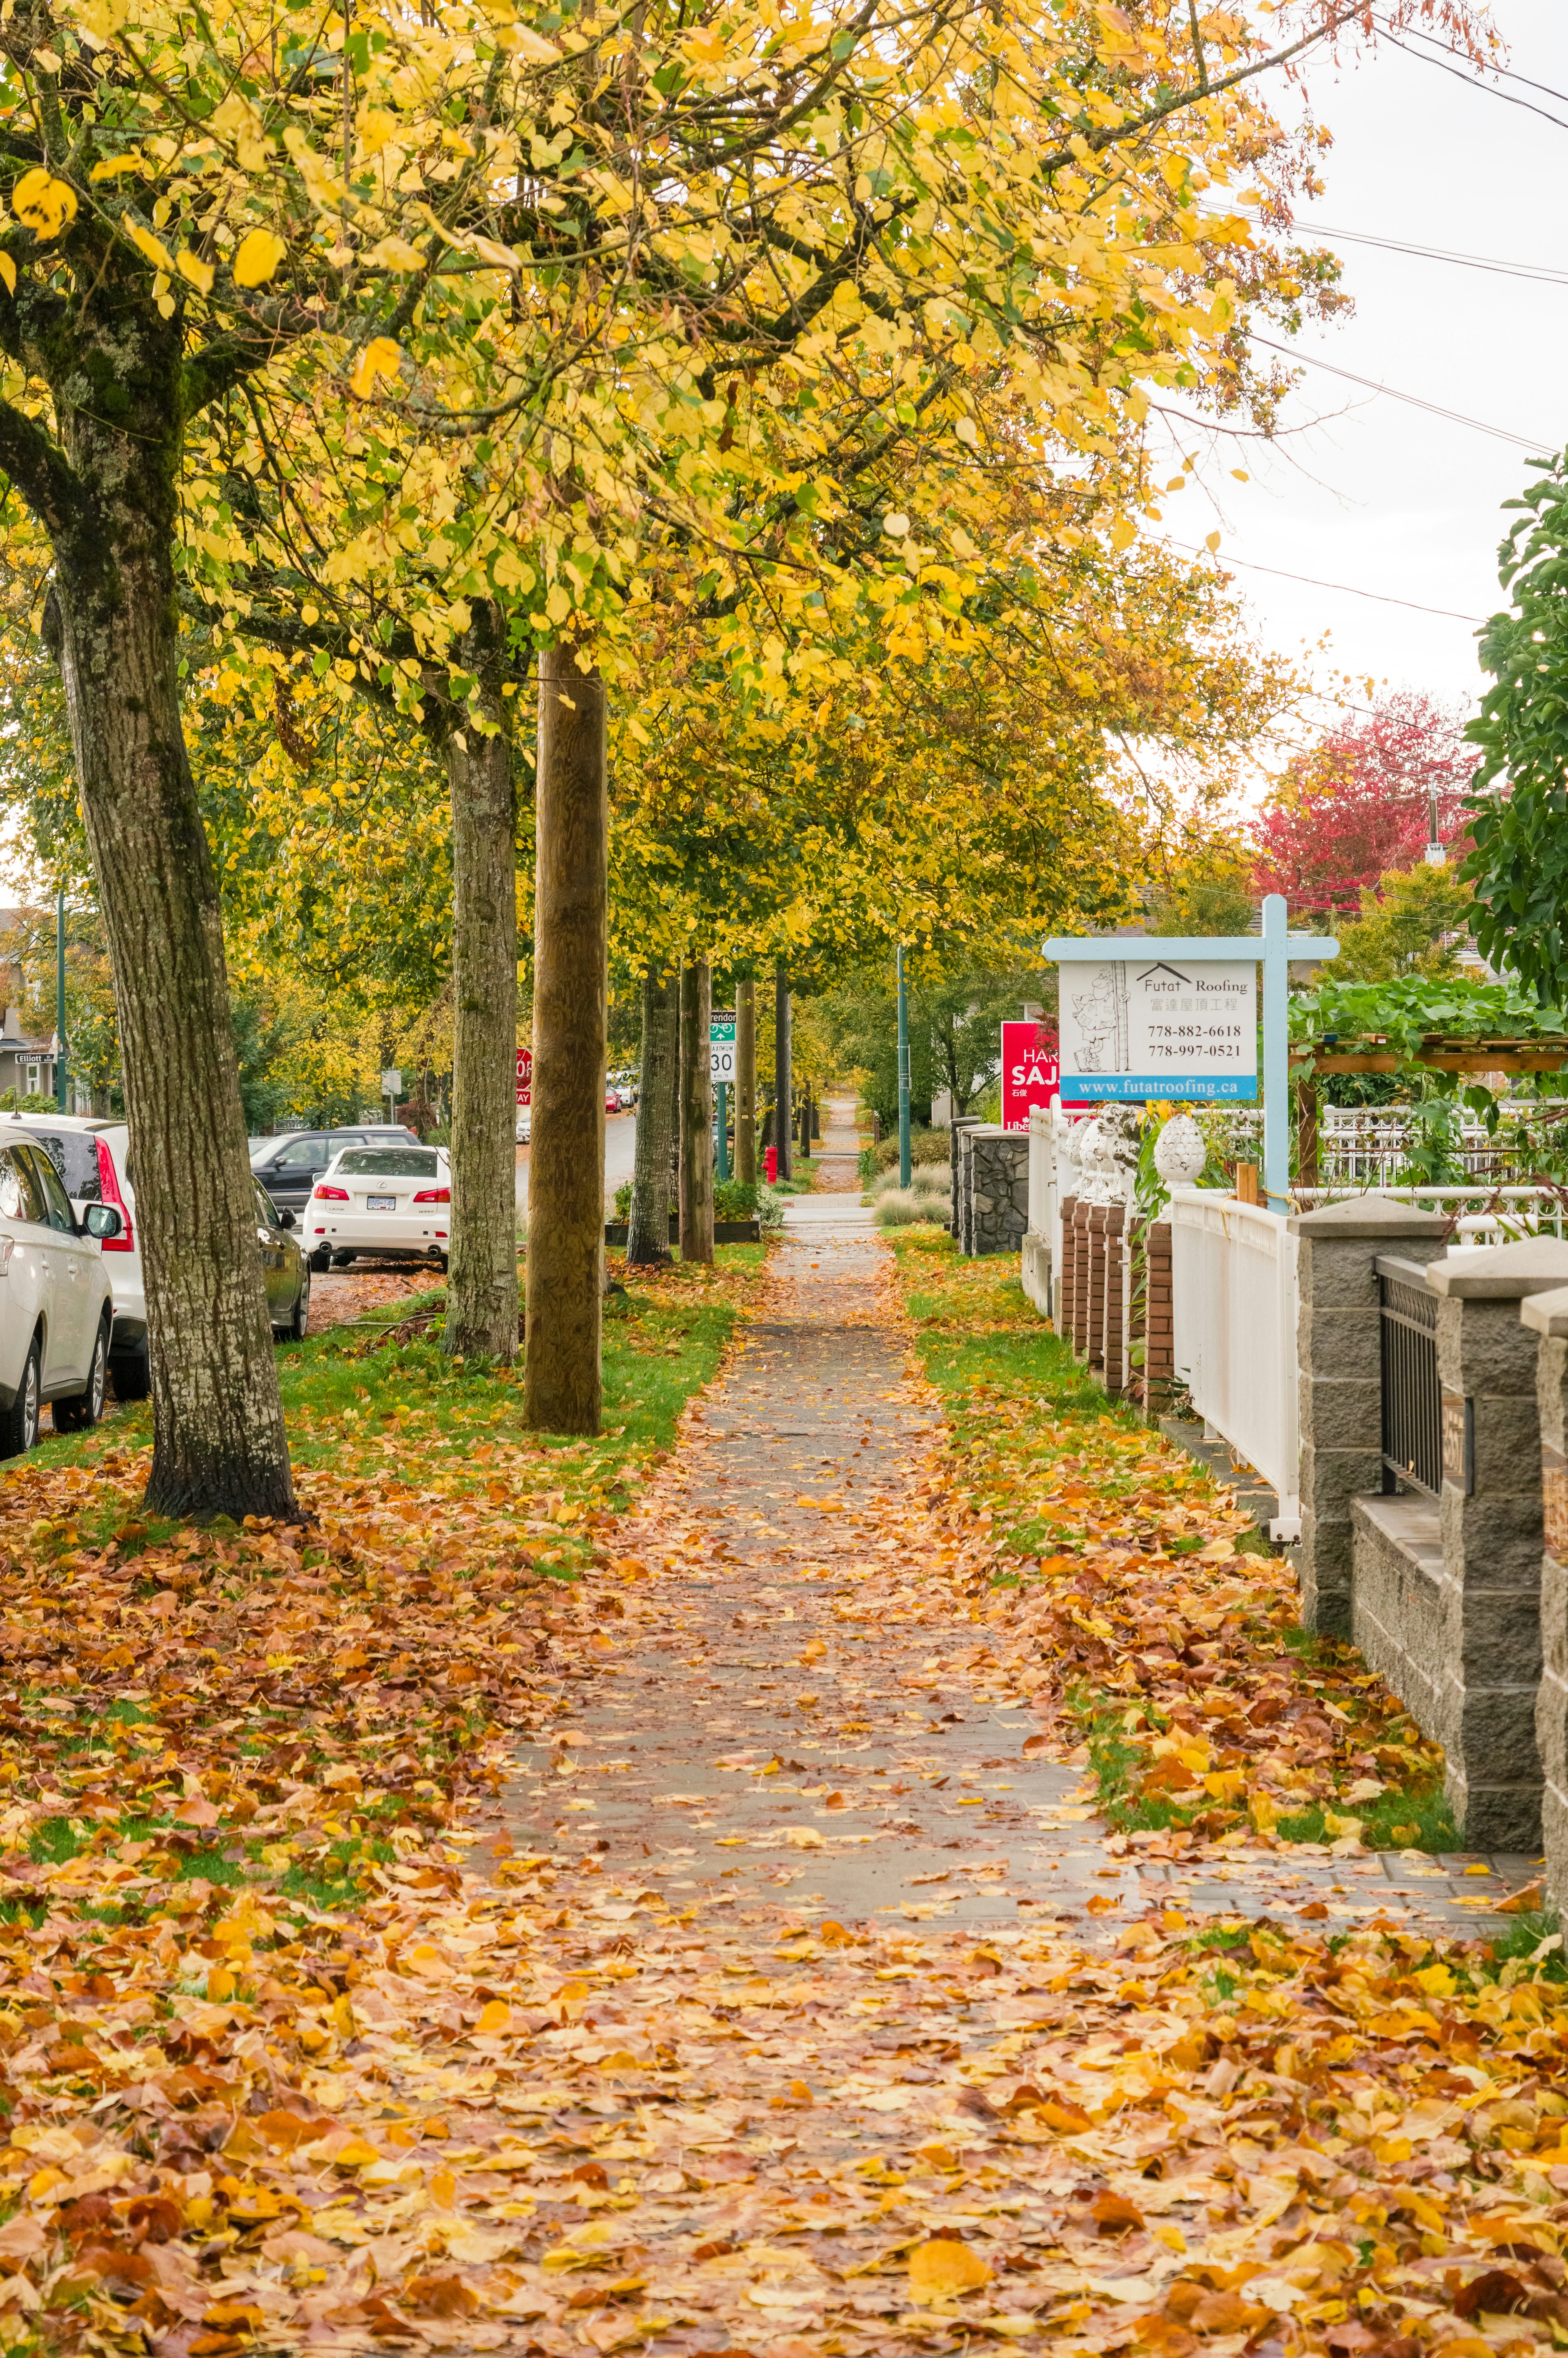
[1339,1405]
[994,1178]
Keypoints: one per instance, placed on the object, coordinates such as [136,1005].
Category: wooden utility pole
[746,1083]
[566,1179]
[781,1085]
[696,1113]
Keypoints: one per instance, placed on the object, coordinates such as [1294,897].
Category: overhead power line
[1415,400]
[1414,33]
[1379,597]
[1538,274]
[1468,75]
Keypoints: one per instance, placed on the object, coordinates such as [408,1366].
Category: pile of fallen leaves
[1136,1616]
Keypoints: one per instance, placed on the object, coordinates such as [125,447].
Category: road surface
[619,1144]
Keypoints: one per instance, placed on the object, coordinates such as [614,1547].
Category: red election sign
[525,1076]
[1029,1071]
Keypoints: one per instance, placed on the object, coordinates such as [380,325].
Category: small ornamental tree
[1359,804]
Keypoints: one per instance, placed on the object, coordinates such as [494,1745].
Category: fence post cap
[1547,1312]
[1501,1272]
[1360,1219]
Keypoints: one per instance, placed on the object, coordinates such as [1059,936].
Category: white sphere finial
[1180,1151]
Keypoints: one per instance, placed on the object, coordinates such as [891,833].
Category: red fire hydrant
[771,1164]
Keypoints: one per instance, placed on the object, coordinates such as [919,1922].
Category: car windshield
[74,1153]
[388,1162]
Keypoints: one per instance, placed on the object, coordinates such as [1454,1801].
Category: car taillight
[109,1191]
[331,1195]
[434,1196]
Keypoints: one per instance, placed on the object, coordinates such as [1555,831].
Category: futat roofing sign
[1169,1028]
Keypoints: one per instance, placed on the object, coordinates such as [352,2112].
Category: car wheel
[19,1422]
[131,1374]
[441,1263]
[300,1320]
[84,1407]
[321,1261]
[341,1260]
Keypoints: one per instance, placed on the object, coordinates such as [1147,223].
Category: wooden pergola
[1437,1054]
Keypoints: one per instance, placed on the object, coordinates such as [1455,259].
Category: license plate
[380,1203]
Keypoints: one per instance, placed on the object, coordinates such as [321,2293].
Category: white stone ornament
[1180,1151]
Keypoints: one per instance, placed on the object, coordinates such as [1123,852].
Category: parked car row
[75,1319]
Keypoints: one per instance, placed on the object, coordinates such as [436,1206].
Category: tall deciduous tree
[1360,803]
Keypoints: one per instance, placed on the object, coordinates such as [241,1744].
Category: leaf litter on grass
[521,2111]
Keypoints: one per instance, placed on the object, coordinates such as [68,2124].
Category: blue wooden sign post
[1190,1074]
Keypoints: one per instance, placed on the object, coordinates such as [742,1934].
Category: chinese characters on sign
[1028,1072]
[1175,1028]
[525,1076]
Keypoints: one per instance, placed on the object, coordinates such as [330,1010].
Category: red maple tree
[1358,804]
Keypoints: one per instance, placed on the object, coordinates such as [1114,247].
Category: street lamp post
[62,1072]
[903,1160]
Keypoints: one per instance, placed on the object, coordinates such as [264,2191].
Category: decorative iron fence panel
[1413,1398]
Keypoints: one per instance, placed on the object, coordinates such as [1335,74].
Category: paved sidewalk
[794,1723]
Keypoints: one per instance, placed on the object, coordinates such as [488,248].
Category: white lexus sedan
[55,1307]
[391,1203]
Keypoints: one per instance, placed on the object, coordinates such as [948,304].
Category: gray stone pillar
[999,1188]
[1338,1356]
[1491,1523]
[1547,1315]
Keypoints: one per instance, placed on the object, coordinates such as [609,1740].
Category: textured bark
[746,1083]
[806,1126]
[566,1177]
[782,1087]
[695,1112]
[218,1445]
[482,1292]
[648,1229]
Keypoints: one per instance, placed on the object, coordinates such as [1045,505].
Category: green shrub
[924,1146]
[734,1199]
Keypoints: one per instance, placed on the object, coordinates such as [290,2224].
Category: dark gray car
[286,1272]
[289,1165]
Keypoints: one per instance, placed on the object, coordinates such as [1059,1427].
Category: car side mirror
[101,1220]
[286,1219]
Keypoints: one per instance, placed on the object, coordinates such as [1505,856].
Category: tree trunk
[218,1445]
[805,1125]
[648,1229]
[566,1177]
[695,1112]
[746,1083]
[482,1295]
[782,1089]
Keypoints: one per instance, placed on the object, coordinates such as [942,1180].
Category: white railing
[1482,1215]
[1363,1146]
[1233,1289]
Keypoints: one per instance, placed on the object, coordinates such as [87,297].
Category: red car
[611,1101]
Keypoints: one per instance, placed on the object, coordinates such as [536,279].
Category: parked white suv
[92,1159]
[55,1306]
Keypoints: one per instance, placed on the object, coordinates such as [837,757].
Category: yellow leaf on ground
[942,2267]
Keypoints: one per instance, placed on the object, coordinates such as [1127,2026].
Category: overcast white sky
[1386,498]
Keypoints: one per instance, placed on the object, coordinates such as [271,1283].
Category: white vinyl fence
[1233,1306]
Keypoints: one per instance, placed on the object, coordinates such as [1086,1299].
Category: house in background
[27,1062]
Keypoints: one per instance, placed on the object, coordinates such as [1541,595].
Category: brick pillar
[1159,1341]
[1113,1344]
[1338,1357]
[1094,1322]
[1081,1248]
[1066,1276]
[1492,1539]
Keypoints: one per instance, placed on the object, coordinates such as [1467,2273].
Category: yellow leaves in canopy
[152,249]
[256,257]
[379,358]
[397,253]
[943,2267]
[46,204]
[192,267]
